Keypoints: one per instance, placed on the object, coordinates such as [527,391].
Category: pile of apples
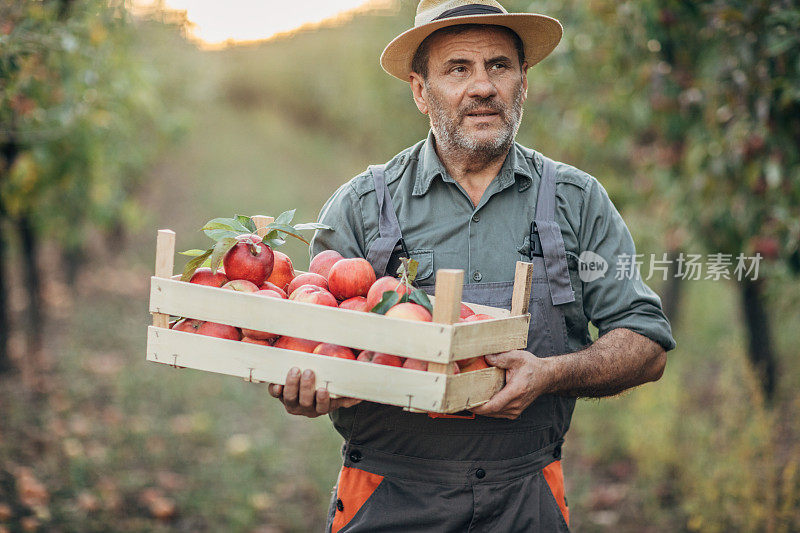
[252,266]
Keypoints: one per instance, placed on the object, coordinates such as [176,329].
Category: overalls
[406,472]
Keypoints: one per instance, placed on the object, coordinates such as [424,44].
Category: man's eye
[498,66]
[459,70]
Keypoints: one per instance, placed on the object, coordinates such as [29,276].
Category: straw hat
[539,33]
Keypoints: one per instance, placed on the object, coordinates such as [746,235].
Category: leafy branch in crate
[228,232]
[407,273]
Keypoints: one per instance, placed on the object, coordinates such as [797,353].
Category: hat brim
[540,35]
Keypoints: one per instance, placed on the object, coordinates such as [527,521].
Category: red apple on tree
[350,277]
[323,261]
[249,259]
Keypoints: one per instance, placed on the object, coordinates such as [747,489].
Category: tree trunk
[5,323]
[760,350]
[673,290]
[35,316]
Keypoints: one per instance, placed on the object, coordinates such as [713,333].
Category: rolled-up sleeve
[342,213]
[618,299]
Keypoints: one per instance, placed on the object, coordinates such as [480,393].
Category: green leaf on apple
[247,222]
[194,252]
[194,264]
[285,217]
[221,228]
[220,249]
[285,228]
[389,300]
[418,296]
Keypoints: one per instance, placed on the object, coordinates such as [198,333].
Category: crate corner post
[521,297]
[447,306]
[165,263]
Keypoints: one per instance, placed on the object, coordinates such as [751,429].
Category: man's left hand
[526,378]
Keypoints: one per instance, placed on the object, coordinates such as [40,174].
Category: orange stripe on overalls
[554,476]
[354,488]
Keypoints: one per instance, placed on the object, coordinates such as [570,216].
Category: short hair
[419,63]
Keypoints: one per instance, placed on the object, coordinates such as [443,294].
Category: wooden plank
[261,222]
[471,389]
[165,263]
[378,383]
[447,307]
[489,336]
[420,340]
[522,288]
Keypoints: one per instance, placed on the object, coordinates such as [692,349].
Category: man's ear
[525,68]
[418,92]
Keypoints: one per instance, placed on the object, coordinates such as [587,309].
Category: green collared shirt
[442,229]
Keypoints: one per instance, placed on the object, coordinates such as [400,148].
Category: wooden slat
[378,383]
[522,288]
[447,307]
[420,340]
[490,336]
[165,263]
[472,388]
[261,222]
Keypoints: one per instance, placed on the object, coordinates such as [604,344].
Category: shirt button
[339,505]
[477,276]
[355,456]
[480,473]
[476,217]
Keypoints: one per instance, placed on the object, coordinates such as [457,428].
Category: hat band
[471,9]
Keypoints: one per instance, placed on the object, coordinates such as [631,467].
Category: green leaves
[418,296]
[194,264]
[220,249]
[221,228]
[407,271]
[389,300]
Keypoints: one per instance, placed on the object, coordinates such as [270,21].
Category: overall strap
[389,228]
[555,257]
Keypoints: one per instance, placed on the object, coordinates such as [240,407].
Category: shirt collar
[430,166]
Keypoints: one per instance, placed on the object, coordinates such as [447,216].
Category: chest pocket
[423,257]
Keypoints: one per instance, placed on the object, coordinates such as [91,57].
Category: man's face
[474,91]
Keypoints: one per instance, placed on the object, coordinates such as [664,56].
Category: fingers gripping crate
[439,342]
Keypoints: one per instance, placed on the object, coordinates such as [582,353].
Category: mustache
[485,104]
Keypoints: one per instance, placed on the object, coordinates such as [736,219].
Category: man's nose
[481,86]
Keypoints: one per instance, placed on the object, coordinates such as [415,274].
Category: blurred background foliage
[112,126]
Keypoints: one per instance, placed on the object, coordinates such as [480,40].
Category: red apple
[189,325]
[409,311]
[476,363]
[478,316]
[272,287]
[241,285]
[313,295]
[334,350]
[323,261]
[365,356]
[270,293]
[282,270]
[309,278]
[223,331]
[350,277]
[466,311]
[386,283]
[293,343]
[204,276]
[387,359]
[416,364]
[249,259]
[255,341]
[262,335]
[356,303]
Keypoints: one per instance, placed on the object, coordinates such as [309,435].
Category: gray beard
[451,138]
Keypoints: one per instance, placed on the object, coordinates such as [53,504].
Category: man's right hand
[300,398]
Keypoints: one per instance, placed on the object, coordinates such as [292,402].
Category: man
[469,197]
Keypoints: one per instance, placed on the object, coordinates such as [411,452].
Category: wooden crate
[439,342]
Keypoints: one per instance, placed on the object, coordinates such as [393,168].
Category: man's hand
[300,398]
[525,381]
